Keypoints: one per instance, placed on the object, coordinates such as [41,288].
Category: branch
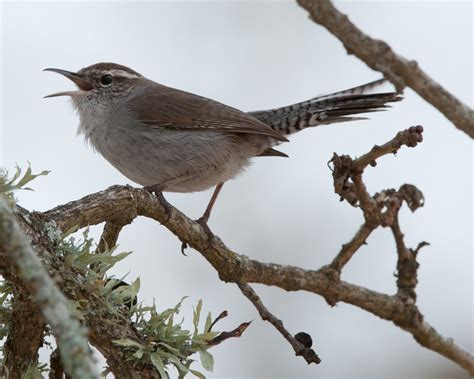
[112,229]
[105,325]
[236,268]
[233,267]
[379,56]
[56,370]
[24,338]
[53,304]
[300,350]
[350,248]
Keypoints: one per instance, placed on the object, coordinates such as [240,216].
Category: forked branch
[381,209]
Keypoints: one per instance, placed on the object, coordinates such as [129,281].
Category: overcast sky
[257,55]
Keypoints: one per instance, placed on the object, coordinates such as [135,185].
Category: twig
[351,247]
[409,137]
[112,229]
[347,174]
[110,235]
[53,304]
[379,56]
[407,266]
[223,336]
[300,350]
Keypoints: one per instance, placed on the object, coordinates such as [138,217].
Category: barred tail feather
[328,109]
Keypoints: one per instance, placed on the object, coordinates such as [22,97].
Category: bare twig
[347,174]
[407,265]
[53,304]
[223,336]
[352,246]
[300,350]
[409,137]
[110,235]
[347,171]
[379,56]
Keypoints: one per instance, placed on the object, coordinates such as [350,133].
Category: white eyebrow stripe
[124,74]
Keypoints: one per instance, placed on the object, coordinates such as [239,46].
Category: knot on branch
[407,271]
[342,174]
[412,196]
[407,316]
[389,201]
[407,276]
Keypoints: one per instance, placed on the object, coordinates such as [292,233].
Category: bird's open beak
[83,85]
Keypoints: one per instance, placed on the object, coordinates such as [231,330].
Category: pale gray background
[255,55]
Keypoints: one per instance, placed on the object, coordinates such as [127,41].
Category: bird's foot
[210,236]
[157,190]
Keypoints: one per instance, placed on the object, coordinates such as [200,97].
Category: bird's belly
[181,161]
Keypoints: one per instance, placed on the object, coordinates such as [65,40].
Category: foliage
[17,182]
[7,187]
[167,343]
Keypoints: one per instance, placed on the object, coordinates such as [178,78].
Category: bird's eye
[106,80]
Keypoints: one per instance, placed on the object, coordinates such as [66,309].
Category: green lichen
[17,182]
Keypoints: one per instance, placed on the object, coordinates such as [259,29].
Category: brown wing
[165,107]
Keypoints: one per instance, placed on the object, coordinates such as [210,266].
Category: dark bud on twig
[304,338]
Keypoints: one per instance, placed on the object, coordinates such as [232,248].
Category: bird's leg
[207,213]
[205,218]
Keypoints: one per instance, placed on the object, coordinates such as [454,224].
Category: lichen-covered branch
[379,210]
[54,306]
[379,56]
[104,325]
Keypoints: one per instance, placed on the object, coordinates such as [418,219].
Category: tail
[328,109]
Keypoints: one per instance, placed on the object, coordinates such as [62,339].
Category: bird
[169,140]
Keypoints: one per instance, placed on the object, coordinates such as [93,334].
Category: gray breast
[156,155]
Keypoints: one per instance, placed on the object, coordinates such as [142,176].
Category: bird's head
[99,85]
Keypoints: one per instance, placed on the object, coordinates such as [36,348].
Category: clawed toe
[210,236]
[158,192]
